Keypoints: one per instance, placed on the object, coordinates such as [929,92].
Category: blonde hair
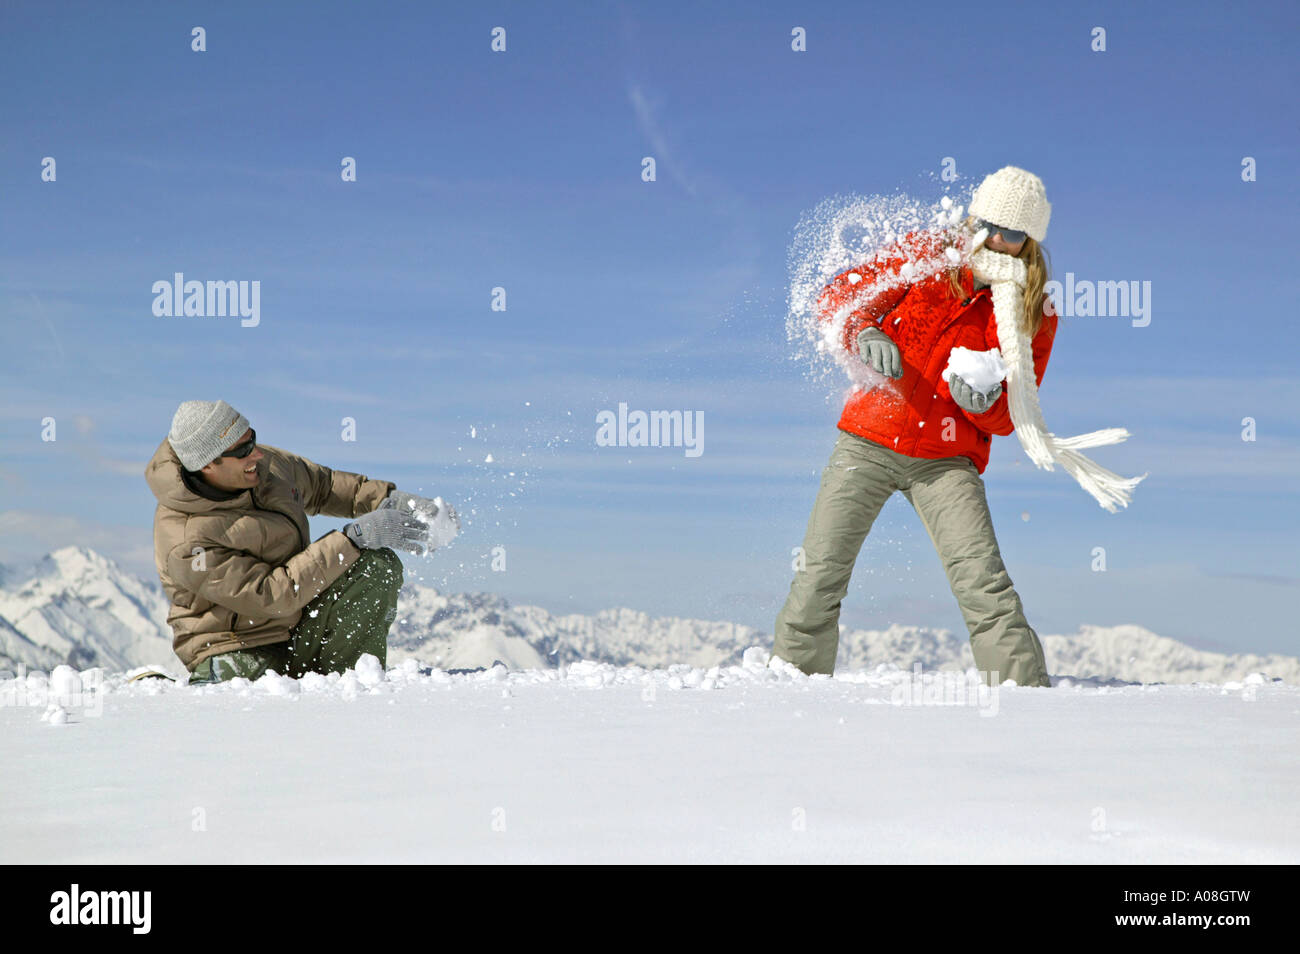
[1037,268]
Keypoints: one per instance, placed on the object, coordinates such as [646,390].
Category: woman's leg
[948,495]
[855,484]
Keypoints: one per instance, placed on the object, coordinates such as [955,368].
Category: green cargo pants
[349,619]
[948,495]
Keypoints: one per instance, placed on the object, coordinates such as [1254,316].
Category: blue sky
[522,170]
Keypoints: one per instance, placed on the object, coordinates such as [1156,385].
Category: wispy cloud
[1268,578]
[652,129]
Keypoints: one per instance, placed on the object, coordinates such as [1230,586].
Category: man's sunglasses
[242,450]
[1011,236]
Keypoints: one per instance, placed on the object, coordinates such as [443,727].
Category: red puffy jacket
[915,414]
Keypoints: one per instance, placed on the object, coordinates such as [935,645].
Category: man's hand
[879,351]
[441,518]
[977,402]
[389,527]
[407,503]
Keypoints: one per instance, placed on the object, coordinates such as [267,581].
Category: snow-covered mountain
[473,629]
[76,606]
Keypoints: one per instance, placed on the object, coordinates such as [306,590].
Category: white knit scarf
[1007,276]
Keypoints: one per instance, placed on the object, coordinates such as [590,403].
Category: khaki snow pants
[347,620]
[948,495]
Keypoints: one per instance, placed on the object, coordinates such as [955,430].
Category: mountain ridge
[76,606]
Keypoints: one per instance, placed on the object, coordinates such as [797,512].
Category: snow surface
[593,762]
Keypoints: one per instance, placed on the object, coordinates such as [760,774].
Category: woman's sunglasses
[1011,236]
[242,450]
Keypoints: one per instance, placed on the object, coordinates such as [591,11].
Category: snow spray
[840,233]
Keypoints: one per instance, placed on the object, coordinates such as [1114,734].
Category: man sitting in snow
[249,591]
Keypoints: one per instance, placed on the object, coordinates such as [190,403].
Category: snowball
[442,529]
[783,667]
[65,683]
[313,682]
[370,672]
[982,370]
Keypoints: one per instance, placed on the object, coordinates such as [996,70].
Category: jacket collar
[163,474]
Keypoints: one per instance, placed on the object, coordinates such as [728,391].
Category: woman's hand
[967,398]
[879,351]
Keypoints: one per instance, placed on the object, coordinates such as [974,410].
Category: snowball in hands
[982,370]
[436,514]
[444,524]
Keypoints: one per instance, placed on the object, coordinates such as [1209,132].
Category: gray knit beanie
[202,430]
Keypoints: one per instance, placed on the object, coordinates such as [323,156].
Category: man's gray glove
[389,527]
[879,351]
[401,500]
[443,522]
[977,402]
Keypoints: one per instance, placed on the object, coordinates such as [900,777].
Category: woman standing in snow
[928,434]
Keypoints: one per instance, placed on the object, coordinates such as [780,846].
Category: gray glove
[389,527]
[977,402]
[407,503]
[878,350]
[441,517]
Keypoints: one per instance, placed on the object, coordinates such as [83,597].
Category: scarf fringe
[1109,488]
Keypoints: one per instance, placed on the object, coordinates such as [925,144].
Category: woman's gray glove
[977,402]
[389,527]
[878,350]
[443,522]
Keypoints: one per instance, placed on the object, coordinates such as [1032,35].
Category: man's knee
[383,565]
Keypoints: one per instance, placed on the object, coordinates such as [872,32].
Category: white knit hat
[202,430]
[1014,199]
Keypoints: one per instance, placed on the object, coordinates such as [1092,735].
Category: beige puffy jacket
[238,572]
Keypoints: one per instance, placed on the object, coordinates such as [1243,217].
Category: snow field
[593,762]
